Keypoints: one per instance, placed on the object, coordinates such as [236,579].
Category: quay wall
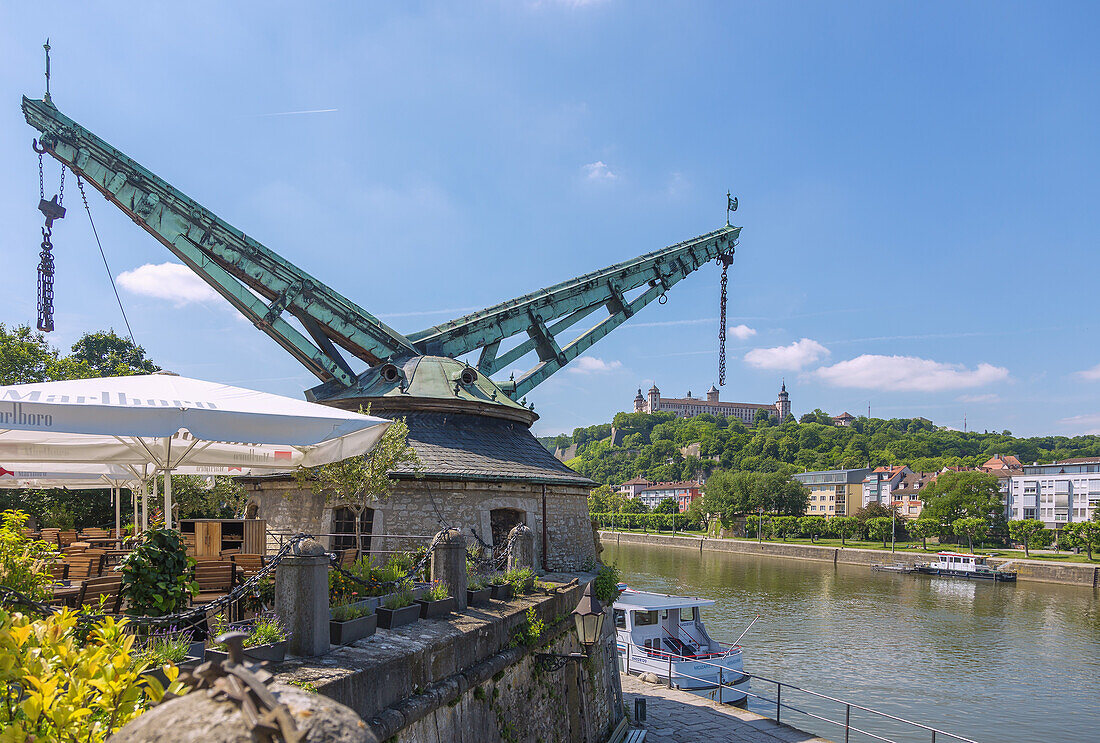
[1078,574]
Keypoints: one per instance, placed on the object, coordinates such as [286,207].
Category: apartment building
[1056,494]
[880,484]
[684,493]
[834,492]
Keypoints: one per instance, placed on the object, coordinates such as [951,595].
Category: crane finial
[46,46]
[731,206]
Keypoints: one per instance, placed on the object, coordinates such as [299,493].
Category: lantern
[589,618]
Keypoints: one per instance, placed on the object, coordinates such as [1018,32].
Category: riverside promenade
[674,716]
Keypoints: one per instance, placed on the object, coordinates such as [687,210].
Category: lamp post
[588,619]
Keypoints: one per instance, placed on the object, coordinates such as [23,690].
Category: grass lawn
[901,547]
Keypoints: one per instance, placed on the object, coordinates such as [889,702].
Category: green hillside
[650,446]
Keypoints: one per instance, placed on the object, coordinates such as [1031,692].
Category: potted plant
[266,639]
[522,580]
[398,609]
[500,588]
[477,592]
[437,602]
[351,622]
[168,649]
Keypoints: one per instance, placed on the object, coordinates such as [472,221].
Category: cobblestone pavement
[674,716]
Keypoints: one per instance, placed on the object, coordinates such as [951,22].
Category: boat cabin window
[644,618]
[688,616]
[620,619]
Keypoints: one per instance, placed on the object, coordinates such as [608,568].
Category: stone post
[301,599]
[449,564]
[521,552]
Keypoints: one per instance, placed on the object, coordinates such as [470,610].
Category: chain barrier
[374,585]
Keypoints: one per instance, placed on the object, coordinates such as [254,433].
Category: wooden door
[208,539]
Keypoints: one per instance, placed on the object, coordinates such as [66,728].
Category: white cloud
[172,281]
[1090,375]
[909,373]
[795,356]
[990,397]
[1086,424]
[594,365]
[742,332]
[598,171]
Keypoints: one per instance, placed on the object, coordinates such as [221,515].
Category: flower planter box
[158,674]
[345,633]
[479,597]
[502,592]
[528,585]
[393,618]
[196,650]
[434,609]
[373,602]
[274,652]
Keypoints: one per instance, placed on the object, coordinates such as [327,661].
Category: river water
[996,662]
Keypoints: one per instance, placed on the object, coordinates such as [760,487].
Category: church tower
[712,394]
[639,402]
[654,399]
[783,404]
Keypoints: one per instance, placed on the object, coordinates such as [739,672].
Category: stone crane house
[482,471]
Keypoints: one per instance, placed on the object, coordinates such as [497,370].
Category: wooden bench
[106,586]
[82,568]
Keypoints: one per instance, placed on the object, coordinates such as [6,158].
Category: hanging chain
[51,210]
[61,190]
[724,260]
[41,179]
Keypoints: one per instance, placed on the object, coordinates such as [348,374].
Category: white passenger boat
[664,635]
[959,565]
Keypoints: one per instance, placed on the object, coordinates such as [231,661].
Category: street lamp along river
[589,619]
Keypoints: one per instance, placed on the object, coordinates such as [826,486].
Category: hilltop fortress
[688,407]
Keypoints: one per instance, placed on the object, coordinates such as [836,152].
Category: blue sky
[917,185]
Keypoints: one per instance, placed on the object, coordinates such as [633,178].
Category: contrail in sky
[296,113]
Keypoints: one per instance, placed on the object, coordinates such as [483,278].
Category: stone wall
[467,679]
[1081,574]
[420,507]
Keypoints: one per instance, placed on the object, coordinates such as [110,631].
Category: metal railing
[279,536]
[780,705]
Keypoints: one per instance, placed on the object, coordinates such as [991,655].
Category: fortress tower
[783,404]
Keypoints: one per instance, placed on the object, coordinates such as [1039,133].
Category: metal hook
[35,147]
[662,299]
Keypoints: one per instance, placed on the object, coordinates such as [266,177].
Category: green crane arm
[258,282]
[263,286]
[544,314]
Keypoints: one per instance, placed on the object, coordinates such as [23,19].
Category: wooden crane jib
[265,287]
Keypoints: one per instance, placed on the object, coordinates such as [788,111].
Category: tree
[843,525]
[759,526]
[762,419]
[634,505]
[785,526]
[922,529]
[110,355]
[667,505]
[970,527]
[956,495]
[599,500]
[1025,530]
[354,482]
[1082,534]
[195,497]
[812,526]
[880,527]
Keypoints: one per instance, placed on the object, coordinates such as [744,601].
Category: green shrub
[606,585]
[24,563]
[530,631]
[399,600]
[59,688]
[438,591]
[167,647]
[264,630]
[521,579]
[348,612]
[157,574]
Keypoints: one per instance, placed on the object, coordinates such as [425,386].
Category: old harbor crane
[270,291]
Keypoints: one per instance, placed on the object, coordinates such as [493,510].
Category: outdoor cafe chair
[59,571]
[82,568]
[247,564]
[109,586]
[51,536]
[66,538]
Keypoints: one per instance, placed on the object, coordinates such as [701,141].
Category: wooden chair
[247,565]
[347,558]
[81,568]
[51,536]
[215,578]
[101,559]
[109,586]
[94,532]
[65,538]
[59,571]
[230,552]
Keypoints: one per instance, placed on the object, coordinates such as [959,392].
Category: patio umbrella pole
[167,482]
[116,495]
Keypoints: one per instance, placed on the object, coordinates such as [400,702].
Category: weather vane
[731,204]
[46,46]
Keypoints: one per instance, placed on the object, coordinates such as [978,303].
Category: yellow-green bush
[24,563]
[53,687]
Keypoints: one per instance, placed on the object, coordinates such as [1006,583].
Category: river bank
[1078,574]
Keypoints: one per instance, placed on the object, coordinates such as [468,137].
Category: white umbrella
[168,422]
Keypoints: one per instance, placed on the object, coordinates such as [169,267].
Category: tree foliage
[1026,532]
[971,527]
[667,505]
[923,528]
[157,574]
[956,495]
[26,356]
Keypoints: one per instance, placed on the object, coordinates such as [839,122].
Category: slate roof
[476,447]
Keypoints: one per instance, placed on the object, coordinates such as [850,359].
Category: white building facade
[690,406]
[1056,494]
